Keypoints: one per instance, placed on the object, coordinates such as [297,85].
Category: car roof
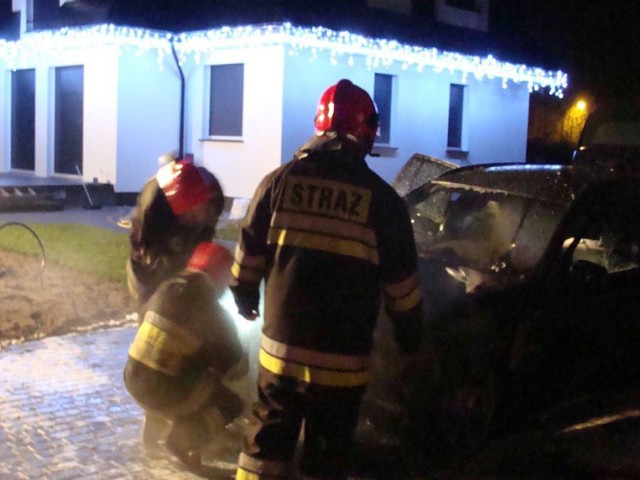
[546,182]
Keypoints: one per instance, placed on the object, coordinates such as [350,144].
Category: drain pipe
[182,100]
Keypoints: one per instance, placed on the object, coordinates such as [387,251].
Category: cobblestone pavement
[65,413]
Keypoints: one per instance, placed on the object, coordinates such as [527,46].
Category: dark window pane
[469,5]
[456,100]
[68,118]
[382,96]
[23,119]
[226,100]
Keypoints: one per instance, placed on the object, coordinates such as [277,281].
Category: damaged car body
[531,278]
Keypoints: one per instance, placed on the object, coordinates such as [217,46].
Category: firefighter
[330,238]
[184,351]
[175,210]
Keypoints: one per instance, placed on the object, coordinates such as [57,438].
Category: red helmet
[183,186]
[347,109]
[214,260]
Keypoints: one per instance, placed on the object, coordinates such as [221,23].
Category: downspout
[182,100]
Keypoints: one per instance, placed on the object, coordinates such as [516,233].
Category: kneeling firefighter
[184,351]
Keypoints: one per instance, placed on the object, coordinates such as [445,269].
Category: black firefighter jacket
[184,333]
[329,237]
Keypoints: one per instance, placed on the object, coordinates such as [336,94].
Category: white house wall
[132,104]
[240,164]
[498,122]
[495,117]
[148,106]
[305,79]
[99,114]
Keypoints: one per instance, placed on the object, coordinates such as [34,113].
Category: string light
[342,46]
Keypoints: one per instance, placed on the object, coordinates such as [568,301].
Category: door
[69,103]
[23,119]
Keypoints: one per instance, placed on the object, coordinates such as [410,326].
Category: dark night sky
[595,41]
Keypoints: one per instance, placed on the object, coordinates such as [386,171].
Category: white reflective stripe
[317,375]
[251,468]
[314,358]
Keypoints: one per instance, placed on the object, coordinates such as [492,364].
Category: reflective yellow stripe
[400,289]
[255,468]
[250,261]
[314,375]
[406,303]
[403,296]
[244,274]
[159,350]
[185,337]
[248,268]
[333,227]
[242,474]
[325,243]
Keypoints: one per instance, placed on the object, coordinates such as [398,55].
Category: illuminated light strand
[315,40]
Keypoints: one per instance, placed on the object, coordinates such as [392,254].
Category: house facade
[105,102]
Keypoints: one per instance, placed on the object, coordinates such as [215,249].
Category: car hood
[418,170]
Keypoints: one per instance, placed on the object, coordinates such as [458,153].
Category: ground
[38,302]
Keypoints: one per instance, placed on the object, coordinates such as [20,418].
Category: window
[456,105]
[226,98]
[23,119]
[469,5]
[473,14]
[382,95]
[69,104]
[399,6]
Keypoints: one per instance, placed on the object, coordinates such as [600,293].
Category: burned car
[531,278]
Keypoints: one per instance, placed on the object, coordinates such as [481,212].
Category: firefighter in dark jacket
[331,239]
[175,210]
[185,348]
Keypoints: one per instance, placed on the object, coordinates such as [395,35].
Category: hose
[19,224]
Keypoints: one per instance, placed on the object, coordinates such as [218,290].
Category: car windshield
[492,232]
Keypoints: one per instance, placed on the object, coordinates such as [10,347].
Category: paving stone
[65,413]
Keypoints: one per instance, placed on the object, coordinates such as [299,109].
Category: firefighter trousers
[329,414]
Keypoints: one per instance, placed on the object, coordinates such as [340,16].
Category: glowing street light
[581,105]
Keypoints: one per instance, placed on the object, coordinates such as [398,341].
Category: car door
[581,321]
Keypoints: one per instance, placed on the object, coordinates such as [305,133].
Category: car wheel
[465,404]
